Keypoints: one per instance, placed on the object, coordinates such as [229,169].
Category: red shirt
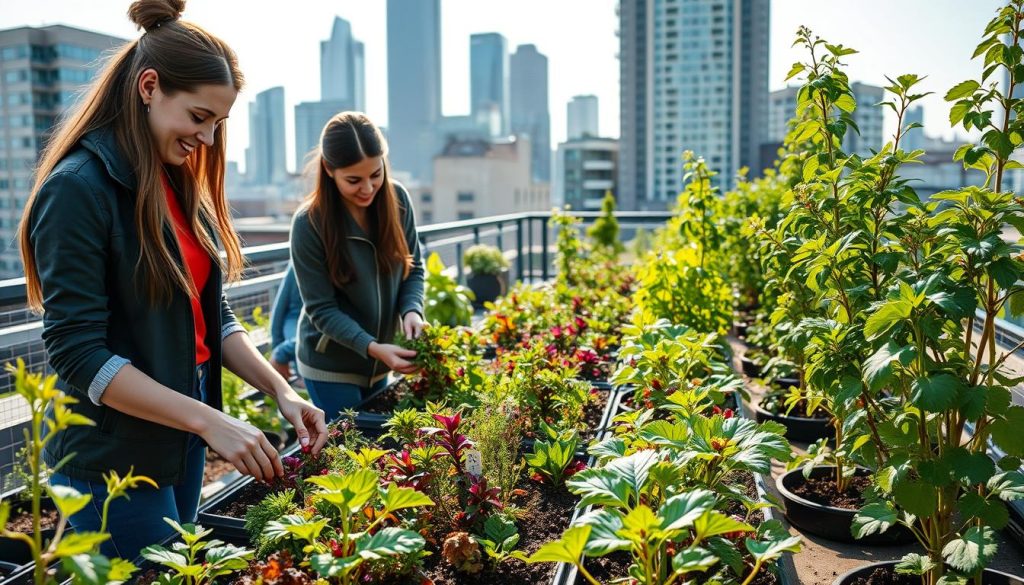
[198,263]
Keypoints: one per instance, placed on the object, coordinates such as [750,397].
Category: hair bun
[150,14]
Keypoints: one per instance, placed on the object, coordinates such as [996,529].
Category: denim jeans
[334,397]
[138,522]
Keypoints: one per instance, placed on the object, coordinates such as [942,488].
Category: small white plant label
[474,464]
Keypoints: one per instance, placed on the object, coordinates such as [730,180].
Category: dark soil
[599,372]
[216,467]
[883,576]
[548,510]
[822,491]
[592,414]
[22,522]
[387,401]
[250,495]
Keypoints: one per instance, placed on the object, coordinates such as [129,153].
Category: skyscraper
[414,84]
[694,76]
[43,70]
[489,78]
[342,67]
[581,116]
[265,158]
[528,94]
[869,118]
[310,119]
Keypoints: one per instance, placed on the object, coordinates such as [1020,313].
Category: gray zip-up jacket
[337,325]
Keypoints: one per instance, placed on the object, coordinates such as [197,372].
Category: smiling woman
[120,243]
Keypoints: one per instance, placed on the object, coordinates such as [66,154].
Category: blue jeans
[138,522]
[334,397]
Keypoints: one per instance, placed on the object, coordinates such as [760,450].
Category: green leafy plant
[500,538]
[195,561]
[484,259]
[446,302]
[78,551]
[551,458]
[605,231]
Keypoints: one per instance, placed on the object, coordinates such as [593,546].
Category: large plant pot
[17,552]
[826,521]
[798,428]
[787,382]
[487,287]
[751,368]
[989,576]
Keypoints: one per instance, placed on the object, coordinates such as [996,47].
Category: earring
[147,108]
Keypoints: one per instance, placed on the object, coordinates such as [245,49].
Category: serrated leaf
[599,487]
[604,536]
[914,564]
[973,468]
[714,523]
[962,90]
[682,510]
[935,393]
[888,314]
[769,550]
[915,497]
[396,498]
[1006,433]
[389,541]
[68,500]
[1008,486]
[874,518]
[77,543]
[991,512]
[694,559]
[878,369]
[567,549]
[972,551]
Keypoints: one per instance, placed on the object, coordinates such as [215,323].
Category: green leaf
[639,524]
[992,512]
[1008,486]
[846,103]
[68,500]
[294,526]
[95,569]
[389,541]
[972,551]
[77,543]
[1006,432]
[878,370]
[769,550]
[161,556]
[935,393]
[889,314]
[914,564]
[567,549]
[693,559]
[915,497]
[962,90]
[714,523]
[348,493]
[972,468]
[681,511]
[599,487]
[958,111]
[874,518]
[634,469]
[229,556]
[611,447]
[399,498]
[795,70]
[604,537]
[502,532]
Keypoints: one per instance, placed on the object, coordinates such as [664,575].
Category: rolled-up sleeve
[69,228]
[229,323]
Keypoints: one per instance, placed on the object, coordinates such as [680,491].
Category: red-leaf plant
[475,497]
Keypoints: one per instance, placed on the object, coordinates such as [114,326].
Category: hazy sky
[278,44]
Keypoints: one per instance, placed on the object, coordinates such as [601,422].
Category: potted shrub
[488,278]
[446,302]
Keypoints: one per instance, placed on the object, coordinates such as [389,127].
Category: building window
[465,197]
[16,75]
[426,197]
[428,216]
[463,215]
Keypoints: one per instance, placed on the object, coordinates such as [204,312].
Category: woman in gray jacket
[357,263]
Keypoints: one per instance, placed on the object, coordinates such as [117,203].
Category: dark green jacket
[95,319]
[338,324]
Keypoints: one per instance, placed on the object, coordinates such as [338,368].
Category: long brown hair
[347,139]
[185,57]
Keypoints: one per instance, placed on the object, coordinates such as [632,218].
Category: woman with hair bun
[120,240]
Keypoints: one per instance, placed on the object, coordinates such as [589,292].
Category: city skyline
[582,63]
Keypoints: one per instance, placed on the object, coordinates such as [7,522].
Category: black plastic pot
[988,577]
[798,428]
[751,368]
[787,382]
[17,552]
[740,327]
[487,287]
[828,521]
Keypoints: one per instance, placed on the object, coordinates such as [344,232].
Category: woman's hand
[245,446]
[308,420]
[394,357]
[412,325]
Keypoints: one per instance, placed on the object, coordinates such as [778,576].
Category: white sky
[278,44]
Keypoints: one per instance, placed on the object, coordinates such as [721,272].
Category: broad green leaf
[501,531]
[915,497]
[68,500]
[600,487]
[327,565]
[604,536]
[567,549]
[768,550]
[962,90]
[388,542]
[884,317]
[399,498]
[76,543]
[1006,433]
[682,510]
[1008,486]
[96,569]
[992,512]
[693,559]
[634,469]
[914,564]
[348,493]
[714,523]
[162,556]
[935,393]
[229,556]
[611,447]
[294,526]
[874,518]
[366,457]
[727,552]
[878,370]
[972,468]
[640,524]
[972,551]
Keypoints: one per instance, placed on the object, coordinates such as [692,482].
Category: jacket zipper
[376,277]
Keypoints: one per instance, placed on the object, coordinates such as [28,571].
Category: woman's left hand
[308,420]
[412,325]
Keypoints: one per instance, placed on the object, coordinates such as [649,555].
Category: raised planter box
[989,576]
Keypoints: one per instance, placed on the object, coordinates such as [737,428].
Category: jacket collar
[103,143]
